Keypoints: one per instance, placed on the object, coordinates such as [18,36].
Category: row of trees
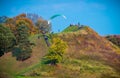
[34,22]
[15,33]
[19,43]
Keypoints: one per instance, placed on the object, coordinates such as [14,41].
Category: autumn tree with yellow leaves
[56,51]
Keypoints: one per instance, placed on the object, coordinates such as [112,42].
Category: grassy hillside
[88,56]
[9,65]
[72,28]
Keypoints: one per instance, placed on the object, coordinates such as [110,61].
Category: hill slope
[88,56]
[9,66]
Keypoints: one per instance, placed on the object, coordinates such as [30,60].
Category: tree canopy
[56,51]
[7,39]
[43,26]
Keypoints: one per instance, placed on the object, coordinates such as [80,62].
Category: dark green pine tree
[23,49]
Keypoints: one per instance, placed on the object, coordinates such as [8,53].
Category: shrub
[22,54]
[115,39]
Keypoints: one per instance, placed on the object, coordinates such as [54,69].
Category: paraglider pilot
[46,40]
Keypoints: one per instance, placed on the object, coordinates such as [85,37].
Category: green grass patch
[71,29]
[71,68]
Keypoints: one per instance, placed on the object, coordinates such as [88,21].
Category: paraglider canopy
[56,15]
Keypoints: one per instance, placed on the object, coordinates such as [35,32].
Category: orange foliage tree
[13,22]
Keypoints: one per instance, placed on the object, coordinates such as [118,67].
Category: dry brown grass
[90,44]
[88,56]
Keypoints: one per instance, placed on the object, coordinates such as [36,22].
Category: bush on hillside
[115,39]
[21,54]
